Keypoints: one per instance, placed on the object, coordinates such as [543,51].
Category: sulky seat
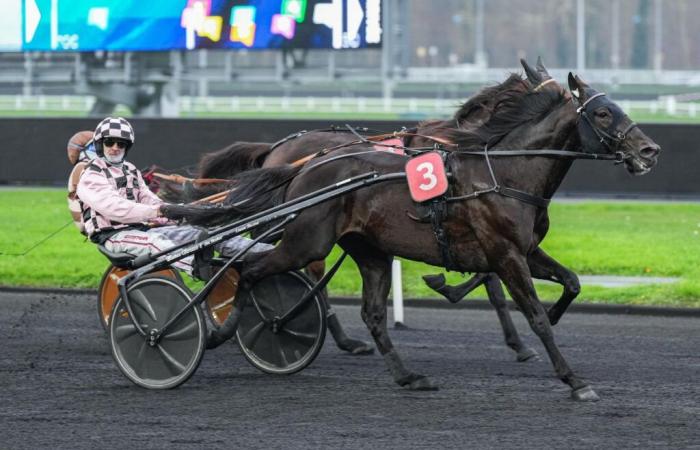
[120,260]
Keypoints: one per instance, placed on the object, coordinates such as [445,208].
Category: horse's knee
[573,287]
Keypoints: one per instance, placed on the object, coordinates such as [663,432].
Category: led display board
[148,25]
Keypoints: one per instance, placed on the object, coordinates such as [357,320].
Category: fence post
[397,290]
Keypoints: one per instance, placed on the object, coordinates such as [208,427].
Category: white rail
[418,107]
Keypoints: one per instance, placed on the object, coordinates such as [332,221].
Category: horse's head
[605,128]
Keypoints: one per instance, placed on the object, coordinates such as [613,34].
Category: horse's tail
[225,163]
[234,159]
[253,191]
[188,192]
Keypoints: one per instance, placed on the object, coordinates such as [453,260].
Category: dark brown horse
[492,232]
[474,112]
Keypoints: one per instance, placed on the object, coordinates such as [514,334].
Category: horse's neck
[545,175]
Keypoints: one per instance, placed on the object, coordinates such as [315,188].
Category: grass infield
[591,237]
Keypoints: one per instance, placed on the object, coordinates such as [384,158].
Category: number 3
[428,175]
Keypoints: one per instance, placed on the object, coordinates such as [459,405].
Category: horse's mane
[515,108]
[479,107]
[236,158]
[489,97]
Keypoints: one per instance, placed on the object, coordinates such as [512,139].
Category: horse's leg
[543,266]
[497,298]
[514,272]
[375,269]
[454,293]
[315,270]
[280,259]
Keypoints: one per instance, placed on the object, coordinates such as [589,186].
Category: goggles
[109,142]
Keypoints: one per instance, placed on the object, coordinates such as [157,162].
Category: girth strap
[438,214]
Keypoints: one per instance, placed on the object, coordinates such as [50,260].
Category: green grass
[618,238]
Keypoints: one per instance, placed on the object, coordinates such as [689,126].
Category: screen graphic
[137,25]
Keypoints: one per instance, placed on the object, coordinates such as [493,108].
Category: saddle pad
[426,176]
[393,141]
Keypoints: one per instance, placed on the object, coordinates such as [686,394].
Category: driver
[121,213]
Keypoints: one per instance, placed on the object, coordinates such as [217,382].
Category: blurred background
[367,58]
[196,75]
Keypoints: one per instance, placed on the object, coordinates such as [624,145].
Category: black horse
[244,155]
[491,231]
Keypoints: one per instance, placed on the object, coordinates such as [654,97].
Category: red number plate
[426,177]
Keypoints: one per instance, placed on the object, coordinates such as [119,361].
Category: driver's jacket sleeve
[106,206]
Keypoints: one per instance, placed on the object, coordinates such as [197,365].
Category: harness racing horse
[495,199]
[474,112]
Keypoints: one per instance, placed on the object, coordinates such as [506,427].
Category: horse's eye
[602,113]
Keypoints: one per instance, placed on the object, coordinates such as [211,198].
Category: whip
[38,243]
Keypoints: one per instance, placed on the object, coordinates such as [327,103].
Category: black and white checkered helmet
[112,127]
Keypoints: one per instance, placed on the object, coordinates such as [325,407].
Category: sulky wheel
[108,292]
[287,348]
[175,357]
[220,300]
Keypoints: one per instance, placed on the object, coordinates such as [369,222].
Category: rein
[332,128]
[617,157]
[517,194]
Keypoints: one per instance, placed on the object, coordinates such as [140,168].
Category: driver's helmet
[112,127]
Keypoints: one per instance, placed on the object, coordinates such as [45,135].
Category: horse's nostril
[650,152]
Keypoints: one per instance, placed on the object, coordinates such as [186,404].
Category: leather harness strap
[410,134]
[175,178]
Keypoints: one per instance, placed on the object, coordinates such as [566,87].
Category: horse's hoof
[355,347]
[553,317]
[421,383]
[214,340]
[528,354]
[434,282]
[585,394]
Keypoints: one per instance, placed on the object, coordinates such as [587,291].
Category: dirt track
[60,388]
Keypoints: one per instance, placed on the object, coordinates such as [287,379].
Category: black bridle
[610,138]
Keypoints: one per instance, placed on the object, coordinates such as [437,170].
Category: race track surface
[61,389]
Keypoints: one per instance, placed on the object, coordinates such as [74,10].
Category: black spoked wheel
[285,348]
[176,356]
[108,292]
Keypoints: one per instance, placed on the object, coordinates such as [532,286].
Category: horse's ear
[532,75]
[581,83]
[575,87]
[542,70]
[578,88]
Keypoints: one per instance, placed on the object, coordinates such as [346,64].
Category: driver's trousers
[154,240]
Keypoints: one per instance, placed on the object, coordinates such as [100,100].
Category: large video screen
[148,25]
